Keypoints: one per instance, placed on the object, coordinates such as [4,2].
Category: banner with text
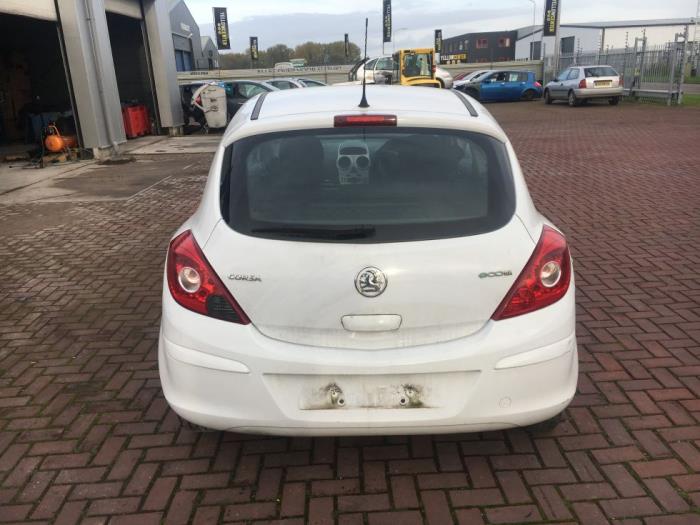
[438,40]
[221,27]
[253,47]
[347,45]
[387,21]
[551,18]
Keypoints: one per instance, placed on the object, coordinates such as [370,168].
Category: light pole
[534,24]
[393,40]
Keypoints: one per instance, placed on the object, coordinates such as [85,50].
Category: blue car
[504,86]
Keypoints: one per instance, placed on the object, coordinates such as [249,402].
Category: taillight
[544,280]
[537,84]
[434,68]
[198,100]
[344,121]
[582,84]
[194,284]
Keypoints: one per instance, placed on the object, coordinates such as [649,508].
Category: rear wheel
[529,95]
[614,101]
[547,97]
[573,100]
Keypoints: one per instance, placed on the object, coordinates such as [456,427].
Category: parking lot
[86,435]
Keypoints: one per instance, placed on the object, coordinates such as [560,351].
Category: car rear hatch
[368,238]
[601,77]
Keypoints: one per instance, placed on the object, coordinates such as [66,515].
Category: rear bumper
[598,92]
[231,377]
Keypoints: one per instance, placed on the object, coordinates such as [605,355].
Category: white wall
[615,38]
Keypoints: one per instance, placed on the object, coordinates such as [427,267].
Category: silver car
[385,66]
[579,84]
[294,83]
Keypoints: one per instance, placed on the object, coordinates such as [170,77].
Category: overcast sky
[292,22]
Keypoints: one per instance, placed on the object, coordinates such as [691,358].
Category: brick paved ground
[86,435]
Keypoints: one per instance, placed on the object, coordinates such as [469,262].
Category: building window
[504,42]
[482,43]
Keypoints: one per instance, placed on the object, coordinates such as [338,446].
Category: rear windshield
[367,185]
[600,71]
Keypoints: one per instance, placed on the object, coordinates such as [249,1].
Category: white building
[593,36]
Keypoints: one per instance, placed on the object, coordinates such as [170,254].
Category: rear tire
[547,97]
[573,100]
[528,95]
[614,101]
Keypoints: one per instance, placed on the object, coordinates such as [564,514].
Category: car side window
[249,90]
[500,77]
[514,77]
[564,75]
[573,75]
[370,65]
[385,64]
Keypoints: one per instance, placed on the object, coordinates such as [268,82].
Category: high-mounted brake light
[544,280]
[194,284]
[345,121]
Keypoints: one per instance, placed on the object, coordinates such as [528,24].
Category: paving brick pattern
[86,436]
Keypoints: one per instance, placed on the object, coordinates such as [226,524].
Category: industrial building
[77,61]
[491,46]
[594,36]
[192,51]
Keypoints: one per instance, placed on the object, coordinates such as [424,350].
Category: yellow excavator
[415,67]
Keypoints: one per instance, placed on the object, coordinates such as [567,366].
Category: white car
[422,294]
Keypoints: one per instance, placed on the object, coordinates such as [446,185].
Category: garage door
[44,9]
[130,8]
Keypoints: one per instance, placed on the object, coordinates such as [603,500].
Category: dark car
[504,86]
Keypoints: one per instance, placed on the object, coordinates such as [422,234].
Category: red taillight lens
[537,84]
[582,84]
[194,284]
[544,280]
[344,121]
[198,100]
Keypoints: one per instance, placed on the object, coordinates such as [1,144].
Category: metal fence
[648,72]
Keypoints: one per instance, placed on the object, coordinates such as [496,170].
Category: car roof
[425,107]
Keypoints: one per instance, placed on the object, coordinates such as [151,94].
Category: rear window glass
[600,71]
[365,185]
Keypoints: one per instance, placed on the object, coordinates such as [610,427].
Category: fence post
[672,73]
[679,99]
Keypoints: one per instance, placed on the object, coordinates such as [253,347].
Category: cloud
[409,30]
